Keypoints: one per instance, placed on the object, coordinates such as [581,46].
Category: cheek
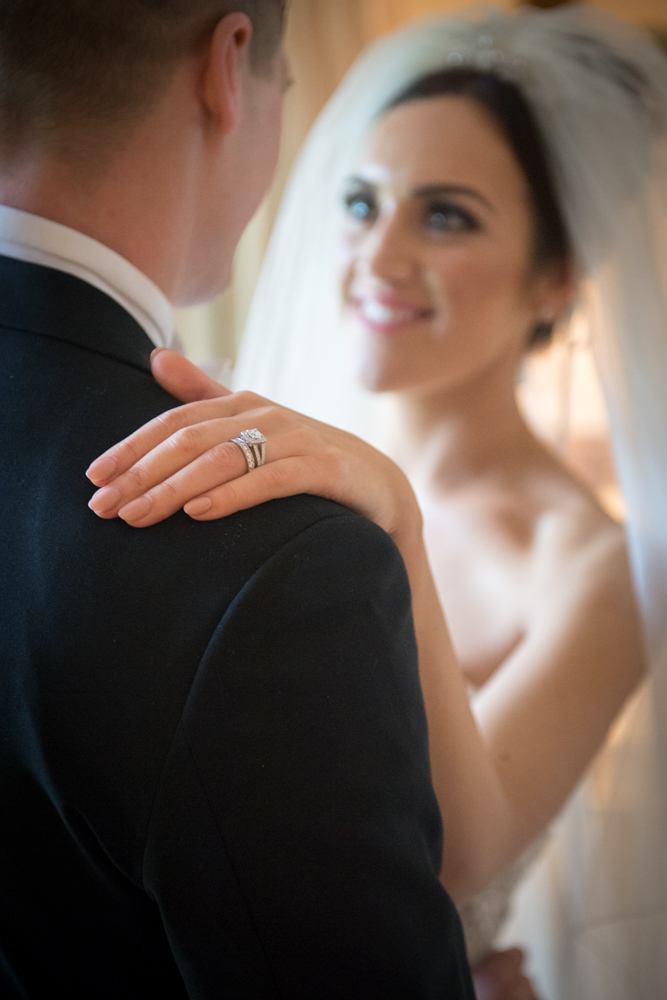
[484,293]
[476,297]
[436,283]
[347,262]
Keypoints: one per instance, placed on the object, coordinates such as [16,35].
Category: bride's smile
[383,314]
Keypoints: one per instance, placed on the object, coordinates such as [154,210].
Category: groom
[214,778]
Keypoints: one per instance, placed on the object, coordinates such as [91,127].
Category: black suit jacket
[214,778]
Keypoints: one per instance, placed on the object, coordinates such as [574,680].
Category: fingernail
[104,500]
[102,468]
[156,350]
[135,510]
[198,507]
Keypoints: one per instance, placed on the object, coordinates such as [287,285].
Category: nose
[386,252]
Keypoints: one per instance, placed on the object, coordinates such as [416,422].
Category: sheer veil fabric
[594,911]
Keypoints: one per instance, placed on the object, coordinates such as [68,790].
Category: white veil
[595,910]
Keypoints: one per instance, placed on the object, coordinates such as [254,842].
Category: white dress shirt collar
[40,241]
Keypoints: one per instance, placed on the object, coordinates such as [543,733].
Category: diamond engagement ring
[252,444]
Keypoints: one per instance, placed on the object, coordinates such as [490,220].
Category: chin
[380,377]
[383,368]
[376,370]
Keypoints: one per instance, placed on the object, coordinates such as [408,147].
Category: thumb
[180,378]
[499,969]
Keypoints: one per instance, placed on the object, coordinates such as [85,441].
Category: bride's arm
[495,793]
[476,811]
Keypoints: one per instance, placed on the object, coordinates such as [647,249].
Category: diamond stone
[253,437]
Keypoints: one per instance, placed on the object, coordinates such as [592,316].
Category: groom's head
[186,91]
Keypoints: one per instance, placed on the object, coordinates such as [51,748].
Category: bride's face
[439,282]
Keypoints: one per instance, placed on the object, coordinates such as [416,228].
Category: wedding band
[253,444]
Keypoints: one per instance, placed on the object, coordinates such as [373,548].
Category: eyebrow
[360,183]
[431,190]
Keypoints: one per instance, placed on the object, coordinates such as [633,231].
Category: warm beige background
[323,39]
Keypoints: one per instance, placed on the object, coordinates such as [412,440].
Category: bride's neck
[448,438]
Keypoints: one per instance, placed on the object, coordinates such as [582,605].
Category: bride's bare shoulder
[575,541]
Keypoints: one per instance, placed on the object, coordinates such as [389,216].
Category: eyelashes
[448,217]
[437,217]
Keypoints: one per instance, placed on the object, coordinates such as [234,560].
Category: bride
[496,173]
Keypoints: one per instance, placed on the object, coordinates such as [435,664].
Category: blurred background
[323,39]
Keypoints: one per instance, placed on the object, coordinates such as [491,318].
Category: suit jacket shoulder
[213,767]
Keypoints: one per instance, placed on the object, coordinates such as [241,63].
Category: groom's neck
[127,223]
[144,200]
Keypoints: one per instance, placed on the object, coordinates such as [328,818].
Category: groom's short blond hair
[76,68]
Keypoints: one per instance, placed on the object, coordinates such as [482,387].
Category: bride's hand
[185,459]
[501,977]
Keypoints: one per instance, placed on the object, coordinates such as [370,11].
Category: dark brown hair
[512,114]
[69,67]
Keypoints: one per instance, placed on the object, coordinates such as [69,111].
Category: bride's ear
[180,378]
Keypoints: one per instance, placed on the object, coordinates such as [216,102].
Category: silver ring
[253,445]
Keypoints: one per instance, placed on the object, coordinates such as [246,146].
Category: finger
[176,460]
[503,966]
[122,456]
[149,495]
[218,465]
[524,990]
[180,378]
[500,977]
[283,478]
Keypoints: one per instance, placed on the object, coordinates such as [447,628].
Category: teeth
[377,312]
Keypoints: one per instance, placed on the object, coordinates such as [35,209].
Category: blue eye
[360,209]
[449,219]
[360,205]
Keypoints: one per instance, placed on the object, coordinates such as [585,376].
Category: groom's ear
[226,69]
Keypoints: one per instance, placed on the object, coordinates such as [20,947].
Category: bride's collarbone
[537,523]
[498,558]
[483,586]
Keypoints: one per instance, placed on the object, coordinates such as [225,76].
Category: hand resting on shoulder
[185,459]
